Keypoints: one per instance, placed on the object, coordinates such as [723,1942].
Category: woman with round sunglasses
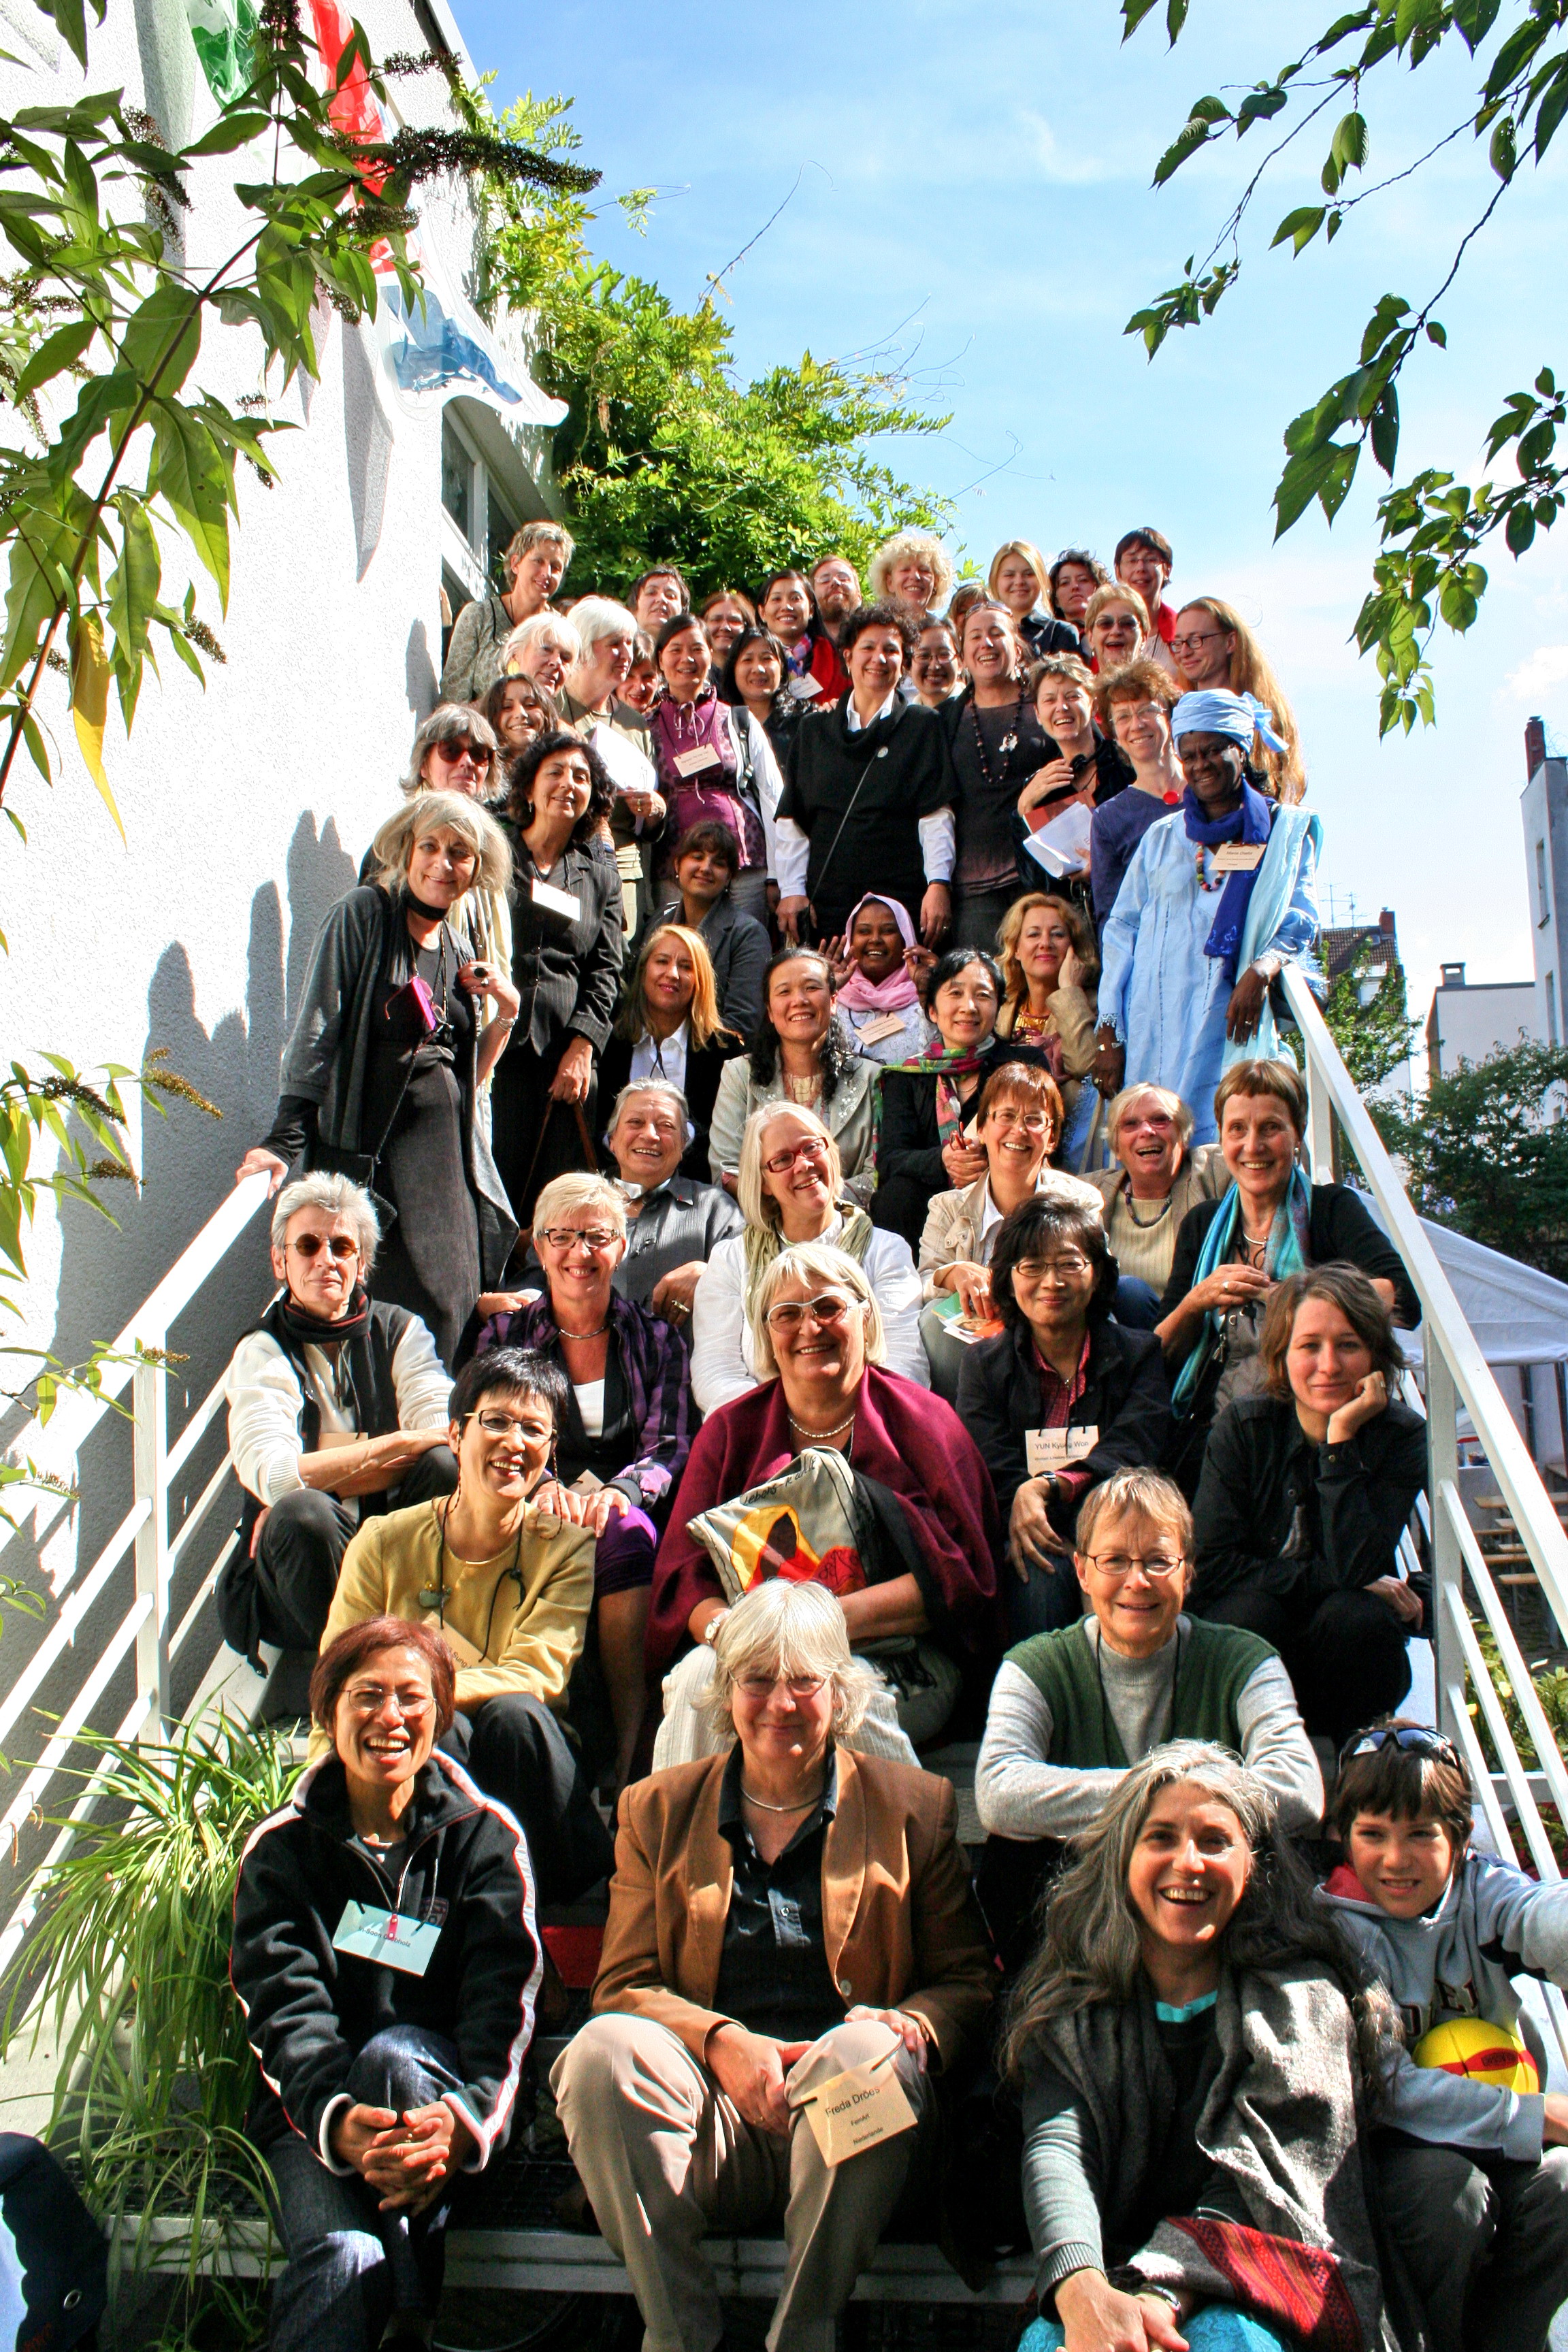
[626,1423]
[929,1574]
[791,1191]
[391,1046]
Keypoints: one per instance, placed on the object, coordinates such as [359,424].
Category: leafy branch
[1431,529]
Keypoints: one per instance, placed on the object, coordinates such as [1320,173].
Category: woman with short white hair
[535,564]
[915,567]
[382,1074]
[838,1467]
[791,1190]
[781,1910]
[544,647]
[1157,1179]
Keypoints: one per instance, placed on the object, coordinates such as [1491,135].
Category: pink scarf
[897,990]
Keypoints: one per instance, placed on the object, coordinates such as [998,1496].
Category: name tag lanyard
[435,1598]
[1105,1704]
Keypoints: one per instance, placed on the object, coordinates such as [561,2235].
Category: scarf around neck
[898,991]
[763,1243]
[1289,1251]
[310,1331]
[1250,823]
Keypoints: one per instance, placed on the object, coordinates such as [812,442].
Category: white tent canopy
[1518,1315]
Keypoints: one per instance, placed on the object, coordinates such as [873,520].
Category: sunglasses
[1415,1737]
[310,1244]
[453,753]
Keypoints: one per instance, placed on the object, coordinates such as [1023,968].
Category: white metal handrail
[139,1352]
[1455,1371]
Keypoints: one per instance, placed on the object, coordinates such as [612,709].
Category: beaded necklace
[1008,746]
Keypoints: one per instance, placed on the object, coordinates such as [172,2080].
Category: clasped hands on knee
[406,2157]
[752,2069]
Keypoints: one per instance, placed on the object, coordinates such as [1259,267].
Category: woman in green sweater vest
[1072,1711]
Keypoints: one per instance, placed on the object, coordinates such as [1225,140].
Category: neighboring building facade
[1339,947]
[1544,806]
[1468,1021]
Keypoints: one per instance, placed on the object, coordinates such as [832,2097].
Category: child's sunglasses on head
[1414,1736]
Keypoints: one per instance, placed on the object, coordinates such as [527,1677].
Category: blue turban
[1238,716]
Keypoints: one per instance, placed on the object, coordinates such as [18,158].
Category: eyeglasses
[1191,645]
[368,1699]
[309,1245]
[1120,1564]
[1053,1269]
[452,752]
[763,1687]
[1031,1122]
[783,1161]
[589,1237]
[504,1424]
[1415,1737]
[789,1314]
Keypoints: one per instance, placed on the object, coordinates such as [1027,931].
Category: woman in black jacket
[386,1960]
[391,1044]
[1059,1400]
[567,944]
[1305,1493]
[1230,1253]
[869,791]
[669,1028]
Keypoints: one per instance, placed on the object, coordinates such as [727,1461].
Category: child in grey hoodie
[1474,2176]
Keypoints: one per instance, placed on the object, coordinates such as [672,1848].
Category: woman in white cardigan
[791,1179]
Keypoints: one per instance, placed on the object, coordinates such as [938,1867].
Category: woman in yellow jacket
[510,1587]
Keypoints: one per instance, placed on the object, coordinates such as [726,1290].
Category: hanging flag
[222,32]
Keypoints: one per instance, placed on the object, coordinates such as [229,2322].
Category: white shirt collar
[852,720]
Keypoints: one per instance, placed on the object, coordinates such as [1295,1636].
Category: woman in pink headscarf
[874,964]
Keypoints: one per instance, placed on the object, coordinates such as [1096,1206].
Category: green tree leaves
[1486,1156]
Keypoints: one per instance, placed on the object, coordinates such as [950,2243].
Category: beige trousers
[665,2157]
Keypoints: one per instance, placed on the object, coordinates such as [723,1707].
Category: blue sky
[972,192]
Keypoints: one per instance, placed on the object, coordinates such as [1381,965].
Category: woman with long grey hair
[382,1074]
[456,749]
[1201,2054]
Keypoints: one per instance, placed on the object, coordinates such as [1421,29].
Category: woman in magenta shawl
[818,1340]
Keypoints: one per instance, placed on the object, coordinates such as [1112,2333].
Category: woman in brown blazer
[779,1913]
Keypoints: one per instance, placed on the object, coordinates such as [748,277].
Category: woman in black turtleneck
[393,1039]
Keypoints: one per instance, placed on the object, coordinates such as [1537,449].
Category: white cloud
[1546,668]
[1066,170]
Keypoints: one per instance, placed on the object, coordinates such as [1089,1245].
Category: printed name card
[554,902]
[886,1025]
[695,763]
[857,2110]
[1239,857]
[368,1934]
[1047,1450]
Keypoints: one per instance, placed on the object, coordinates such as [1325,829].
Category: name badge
[1239,857]
[805,689]
[886,1025]
[697,763]
[858,2109]
[1047,1450]
[365,1933]
[554,902]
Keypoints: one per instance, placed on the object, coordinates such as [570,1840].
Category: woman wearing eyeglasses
[819,1346]
[790,1191]
[1072,1711]
[1305,1495]
[390,1047]
[781,1911]
[1060,1399]
[509,1586]
[626,1429]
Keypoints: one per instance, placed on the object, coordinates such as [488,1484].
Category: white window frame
[470,563]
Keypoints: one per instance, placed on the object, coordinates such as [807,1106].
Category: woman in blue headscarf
[1217,898]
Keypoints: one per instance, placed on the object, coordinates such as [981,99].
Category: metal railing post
[1447,1561]
[150,1471]
[1320,1119]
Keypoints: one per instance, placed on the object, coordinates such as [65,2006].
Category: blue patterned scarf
[1288,1253]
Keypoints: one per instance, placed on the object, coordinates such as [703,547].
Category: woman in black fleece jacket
[383,2077]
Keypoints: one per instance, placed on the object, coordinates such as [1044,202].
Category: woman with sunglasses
[509,1586]
[381,1078]
[1305,1495]
[625,1424]
[929,1574]
[567,946]
[458,749]
[790,1191]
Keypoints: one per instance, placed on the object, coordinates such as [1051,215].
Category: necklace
[1145,1224]
[562,1332]
[1218,882]
[763,1805]
[1008,745]
[821,1432]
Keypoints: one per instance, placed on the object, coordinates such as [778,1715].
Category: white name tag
[886,1025]
[805,689]
[697,764]
[857,2110]
[1045,1450]
[1239,857]
[365,1933]
[554,902]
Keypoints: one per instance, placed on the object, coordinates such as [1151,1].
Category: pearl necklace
[822,1432]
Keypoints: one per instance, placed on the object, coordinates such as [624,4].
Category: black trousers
[1487,2248]
[303,1545]
[900,1206]
[532,1137]
[1345,1654]
[518,1752]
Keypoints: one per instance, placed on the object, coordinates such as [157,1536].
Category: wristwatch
[711,1628]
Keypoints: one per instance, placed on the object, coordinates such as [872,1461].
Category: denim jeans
[350,2266]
